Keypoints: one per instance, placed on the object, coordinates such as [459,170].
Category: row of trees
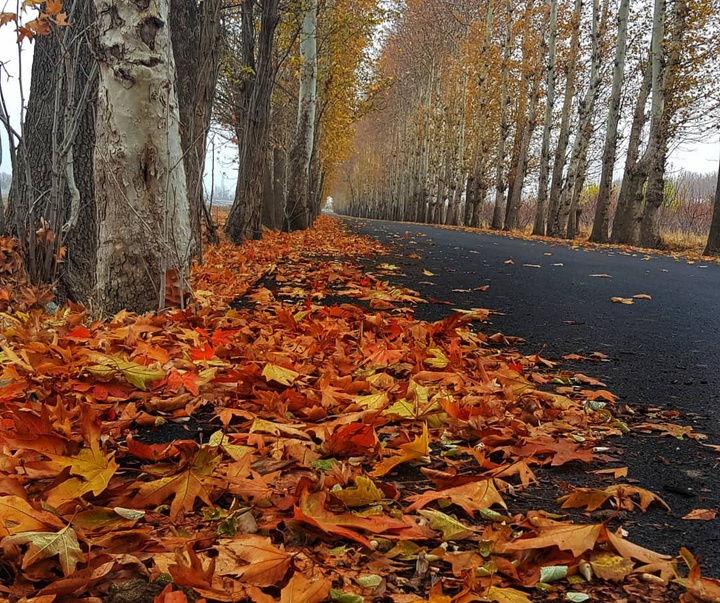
[107,193]
[495,102]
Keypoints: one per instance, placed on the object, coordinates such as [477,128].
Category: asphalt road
[665,352]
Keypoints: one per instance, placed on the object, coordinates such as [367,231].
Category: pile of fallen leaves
[296,435]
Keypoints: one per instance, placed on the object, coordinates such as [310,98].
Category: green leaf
[451,528]
[553,573]
[341,597]
[372,581]
[577,597]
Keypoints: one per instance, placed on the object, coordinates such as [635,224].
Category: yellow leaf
[279,374]
[612,567]
[412,451]
[277,429]
[372,401]
[17,515]
[436,359]
[506,595]
[305,590]
[628,301]
[365,493]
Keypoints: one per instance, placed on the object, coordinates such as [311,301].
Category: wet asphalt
[664,353]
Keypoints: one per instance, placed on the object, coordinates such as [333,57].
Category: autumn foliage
[296,434]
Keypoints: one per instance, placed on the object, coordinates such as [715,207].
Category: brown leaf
[265,564]
[304,590]
[701,515]
[472,497]
[577,539]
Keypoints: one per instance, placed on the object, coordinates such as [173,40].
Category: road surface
[665,352]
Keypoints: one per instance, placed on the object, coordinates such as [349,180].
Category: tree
[145,237]
[253,125]
[556,184]
[601,224]
[713,244]
[500,153]
[541,213]
[298,209]
[196,30]
[53,184]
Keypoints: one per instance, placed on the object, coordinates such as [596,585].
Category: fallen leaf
[305,590]
[577,539]
[43,545]
[279,374]
[622,300]
[450,527]
[701,515]
[263,564]
[506,595]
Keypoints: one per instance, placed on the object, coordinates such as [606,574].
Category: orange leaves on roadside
[471,497]
[621,495]
[412,451]
[578,539]
[278,404]
[194,480]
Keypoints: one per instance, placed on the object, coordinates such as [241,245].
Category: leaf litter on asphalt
[277,438]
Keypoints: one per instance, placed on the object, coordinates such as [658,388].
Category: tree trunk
[298,202]
[500,185]
[713,244]
[601,223]
[512,217]
[245,219]
[556,186]
[566,221]
[145,237]
[196,36]
[53,171]
[540,216]
[626,222]
[660,126]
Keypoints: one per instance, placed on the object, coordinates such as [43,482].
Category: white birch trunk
[500,184]
[556,186]
[540,217]
[299,198]
[143,213]
[601,224]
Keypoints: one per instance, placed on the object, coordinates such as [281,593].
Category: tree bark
[245,219]
[660,126]
[626,222]
[298,201]
[53,174]
[568,205]
[196,35]
[541,214]
[145,236]
[713,244]
[556,185]
[601,223]
[500,184]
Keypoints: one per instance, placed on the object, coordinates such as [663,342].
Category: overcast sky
[696,157]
